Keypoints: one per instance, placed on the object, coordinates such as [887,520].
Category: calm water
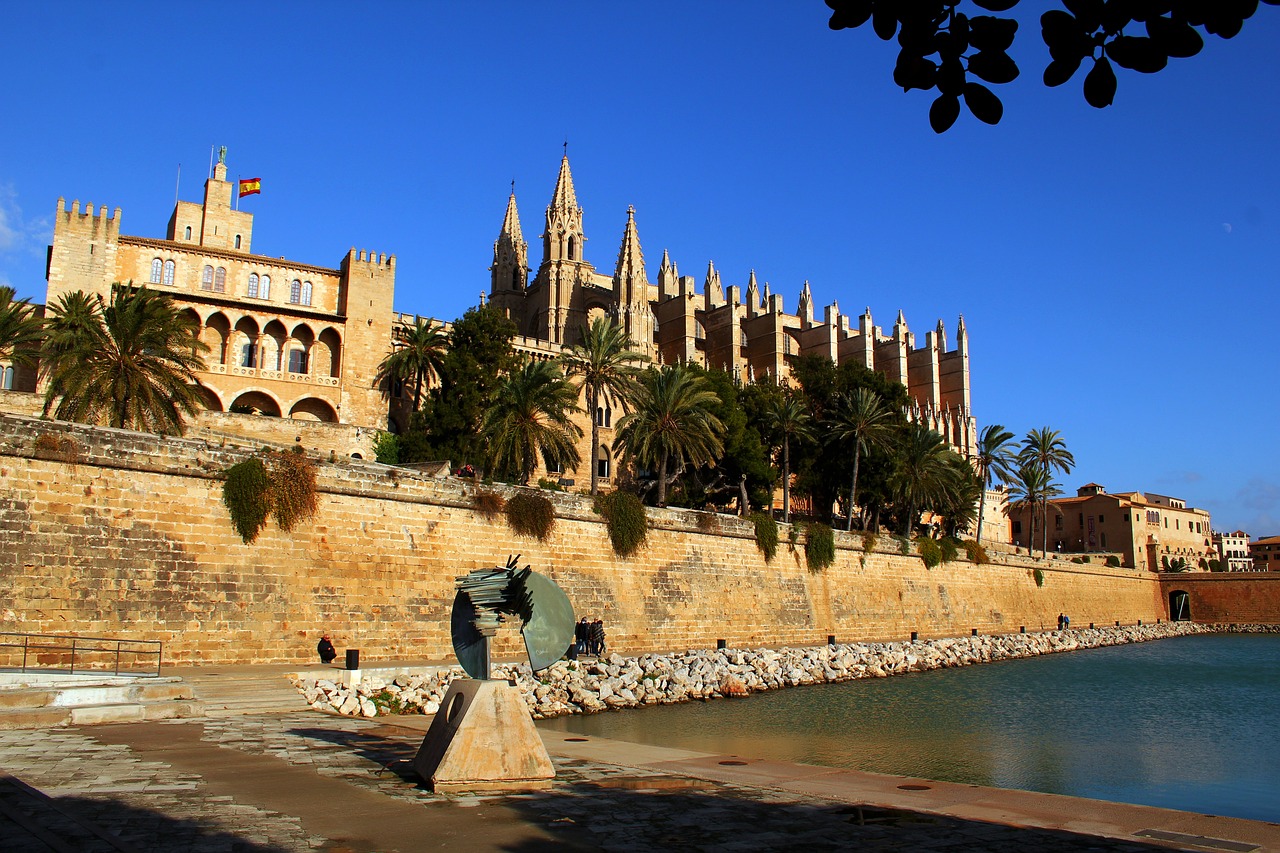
[1188,723]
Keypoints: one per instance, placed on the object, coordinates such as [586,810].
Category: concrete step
[227,696]
[65,702]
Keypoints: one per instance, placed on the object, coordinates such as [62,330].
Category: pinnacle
[630,256]
[564,197]
[511,222]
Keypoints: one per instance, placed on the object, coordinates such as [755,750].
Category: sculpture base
[483,739]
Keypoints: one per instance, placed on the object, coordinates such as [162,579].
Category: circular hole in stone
[455,707]
[914,788]
[575,740]
[734,763]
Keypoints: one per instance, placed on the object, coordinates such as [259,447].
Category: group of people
[1064,621]
[588,637]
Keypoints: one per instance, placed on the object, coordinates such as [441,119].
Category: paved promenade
[300,780]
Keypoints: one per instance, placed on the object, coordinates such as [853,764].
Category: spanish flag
[250,186]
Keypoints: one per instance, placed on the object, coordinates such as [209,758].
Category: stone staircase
[247,690]
[88,700]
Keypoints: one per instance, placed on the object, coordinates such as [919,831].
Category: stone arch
[328,357]
[215,334]
[314,409]
[261,402]
[603,462]
[1179,606]
[298,358]
[209,398]
[244,346]
[274,335]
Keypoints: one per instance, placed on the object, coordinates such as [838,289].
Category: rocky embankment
[588,686]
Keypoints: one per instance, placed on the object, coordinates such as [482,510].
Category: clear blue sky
[1117,269]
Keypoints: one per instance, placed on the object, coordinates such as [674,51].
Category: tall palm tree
[863,420]
[20,328]
[531,416]
[1030,486]
[960,499]
[132,360]
[788,416]
[993,460]
[417,353]
[606,365]
[1046,448]
[671,424]
[922,475]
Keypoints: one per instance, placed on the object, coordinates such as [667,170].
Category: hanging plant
[625,518]
[246,493]
[531,514]
[766,534]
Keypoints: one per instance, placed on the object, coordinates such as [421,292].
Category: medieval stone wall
[115,533]
[1241,597]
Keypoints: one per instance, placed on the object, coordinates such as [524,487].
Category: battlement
[364,256]
[100,223]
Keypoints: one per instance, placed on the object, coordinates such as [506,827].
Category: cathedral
[744,331]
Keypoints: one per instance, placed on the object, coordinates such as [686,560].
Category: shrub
[950,548]
[388,703]
[530,514]
[1204,564]
[247,495]
[766,534]
[708,522]
[1080,561]
[489,504]
[1113,561]
[49,446]
[904,545]
[976,553]
[1164,562]
[1039,576]
[386,448]
[930,551]
[625,518]
[549,485]
[1217,566]
[869,541]
[819,547]
[293,487]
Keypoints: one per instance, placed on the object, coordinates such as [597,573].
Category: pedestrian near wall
[325,649]
[596,637]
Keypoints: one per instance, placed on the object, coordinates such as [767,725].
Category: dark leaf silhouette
[983,103]
[914,72]
[1176,38]
[1140,54]
[1100,84]
[990,33]
[944,112]
[951,77]
[883,21]
[847,14]
[1088,12]
[993,66]
[1060,71]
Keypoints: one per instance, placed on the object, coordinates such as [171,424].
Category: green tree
[479,358]
[1030,486]
[532,416]
[606,368]
[134,362]
[671,424]
[861,420]
[992,460]
[1046,448]
[20,328]
[976,46]
[923,474]
[787,417]
[417,353]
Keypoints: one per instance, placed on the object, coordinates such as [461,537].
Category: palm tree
[20,328]
[961,496]
[922,474]
[992,461]
[132,360]
[1030,487]
[671,423]
[531,416]
[1046,448]
[863,419]
[417,353]
[606,366]
[788,416]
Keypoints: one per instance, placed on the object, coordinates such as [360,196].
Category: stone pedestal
[483,739]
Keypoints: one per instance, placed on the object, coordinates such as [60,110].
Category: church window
[573,247]
[157,266]
[515,279]
[206,278]
[220,280]
[253,285]
[188,232]
[604,417]
[237,241]
[306,293]
[264,288]
[6,378]
[168,272]
[295,292]
[602,462]
[786,345]
[297,361]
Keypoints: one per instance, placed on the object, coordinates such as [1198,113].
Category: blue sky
[1117,269]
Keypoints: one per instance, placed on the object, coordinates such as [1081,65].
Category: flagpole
[237,205]
[177,185]
[210,161]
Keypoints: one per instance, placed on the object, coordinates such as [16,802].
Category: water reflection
[1189,723]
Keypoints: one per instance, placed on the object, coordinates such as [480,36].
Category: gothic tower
[631,288]
[510,271]
[554,303]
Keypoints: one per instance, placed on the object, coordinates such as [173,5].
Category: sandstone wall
[1244,597]
[125,535]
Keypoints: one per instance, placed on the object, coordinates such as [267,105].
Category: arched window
[602,462]
[168,273]
[297,361]
[295,292]
[220,280]
[573,247]
[253,285]
[237,241]
[188,232]
[157,267]
[264,289]
[599,415]
[206,278]
[6,378]
[306,293]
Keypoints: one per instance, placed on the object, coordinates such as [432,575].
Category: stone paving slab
[307,781]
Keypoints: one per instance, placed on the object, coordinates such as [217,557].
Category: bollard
[831,639]
[1090,626]
[1117,623]
[720,644]
[353,658]
[973,632]
[915,635]
[1139,623]
[1022,629]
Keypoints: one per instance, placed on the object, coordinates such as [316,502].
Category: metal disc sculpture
[488,597]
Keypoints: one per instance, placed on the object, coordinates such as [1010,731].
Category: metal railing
[49,652]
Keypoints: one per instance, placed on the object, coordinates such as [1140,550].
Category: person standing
[580,632]
[597,637]
[1061,618]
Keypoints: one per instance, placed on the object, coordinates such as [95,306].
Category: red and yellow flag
[250,186]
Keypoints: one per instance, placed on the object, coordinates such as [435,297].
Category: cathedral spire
[564,198]
[510,254]
[563,239]
[630,278]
